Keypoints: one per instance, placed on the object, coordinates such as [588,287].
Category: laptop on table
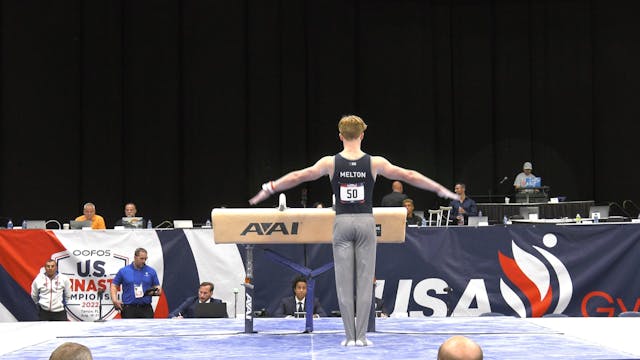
[35,224]
[533,182]
[476,220]
[600,211]
[182,224]
[134,222]
[211,310]
[526,211]
[78,225]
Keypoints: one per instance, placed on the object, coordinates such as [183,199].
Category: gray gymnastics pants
[354,252]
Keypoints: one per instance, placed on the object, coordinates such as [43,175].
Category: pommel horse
[292,226]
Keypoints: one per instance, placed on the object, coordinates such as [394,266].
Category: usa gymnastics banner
[182,258]
[518,270]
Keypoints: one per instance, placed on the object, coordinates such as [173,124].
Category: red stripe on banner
[530,290]
[24,252]
[162,308]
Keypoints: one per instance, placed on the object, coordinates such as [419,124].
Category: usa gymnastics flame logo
[532,279]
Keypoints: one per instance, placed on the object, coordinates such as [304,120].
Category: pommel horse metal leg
[371,327]
[248,291]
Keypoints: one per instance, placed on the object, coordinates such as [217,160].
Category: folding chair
[438,214]
[448,210]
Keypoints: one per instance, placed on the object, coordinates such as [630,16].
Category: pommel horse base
[291,226]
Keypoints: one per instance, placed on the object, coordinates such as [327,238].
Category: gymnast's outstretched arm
[322,167]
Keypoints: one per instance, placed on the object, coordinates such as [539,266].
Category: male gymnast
[353,173]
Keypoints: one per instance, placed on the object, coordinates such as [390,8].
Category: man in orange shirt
[89,211]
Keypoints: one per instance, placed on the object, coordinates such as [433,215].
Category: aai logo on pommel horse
[268,228]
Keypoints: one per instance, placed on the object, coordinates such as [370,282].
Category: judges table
[569,209]
[520,270]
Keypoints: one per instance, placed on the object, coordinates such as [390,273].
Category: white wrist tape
[268,187]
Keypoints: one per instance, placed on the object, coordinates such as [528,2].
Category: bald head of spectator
[395,197]
[71,351]
[459,348]
[397,187]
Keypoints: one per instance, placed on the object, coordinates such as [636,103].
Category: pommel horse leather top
[296,225]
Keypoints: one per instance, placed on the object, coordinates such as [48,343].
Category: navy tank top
[352,183]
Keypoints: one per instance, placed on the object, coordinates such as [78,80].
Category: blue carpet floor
[409,338]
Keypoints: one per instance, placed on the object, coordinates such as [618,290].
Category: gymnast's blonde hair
[351,127]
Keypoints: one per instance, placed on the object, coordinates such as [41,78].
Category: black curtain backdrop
[186,105]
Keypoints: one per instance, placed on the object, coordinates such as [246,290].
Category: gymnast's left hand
[260,196]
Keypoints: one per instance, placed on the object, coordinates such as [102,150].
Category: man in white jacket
[48,291]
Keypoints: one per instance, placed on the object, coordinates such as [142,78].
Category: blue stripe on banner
[180,269]
[15,299]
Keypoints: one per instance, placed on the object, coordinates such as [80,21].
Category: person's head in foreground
[459,348]
[71,351]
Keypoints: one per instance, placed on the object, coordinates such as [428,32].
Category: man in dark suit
[380,309]
[188,308]
[292,304]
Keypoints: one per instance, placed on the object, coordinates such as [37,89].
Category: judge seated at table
[463,208]
[293,306]
[412,218]
[188,308]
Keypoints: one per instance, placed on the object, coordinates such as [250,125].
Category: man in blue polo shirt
[139,282]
